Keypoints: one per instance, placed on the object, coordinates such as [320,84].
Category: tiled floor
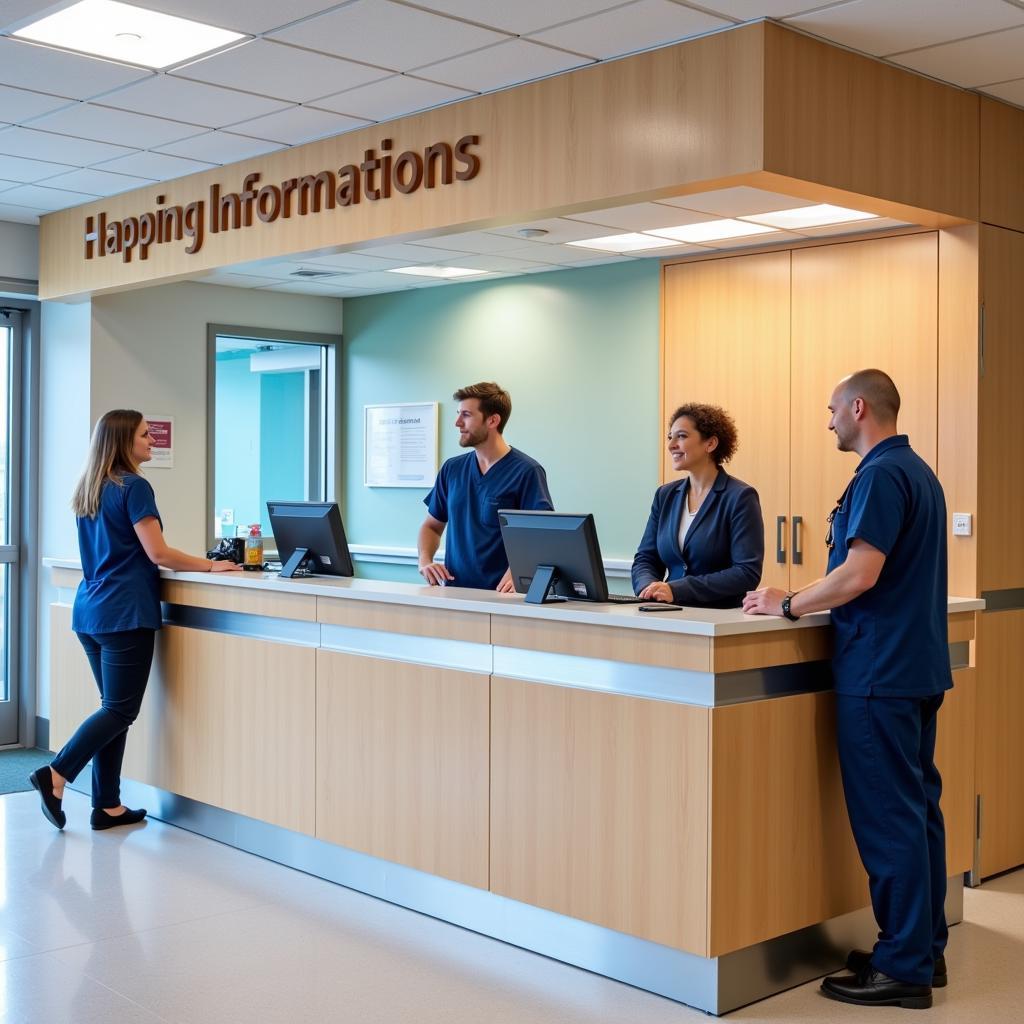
[152,923]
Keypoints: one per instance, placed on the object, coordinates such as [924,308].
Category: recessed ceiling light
[710,231]
[630,242]
[810,216]
[437,271]
[106,28]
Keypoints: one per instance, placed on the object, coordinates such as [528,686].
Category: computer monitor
[555,556]
[310,538]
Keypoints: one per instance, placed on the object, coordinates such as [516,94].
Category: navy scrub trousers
[120,664]
[892,788]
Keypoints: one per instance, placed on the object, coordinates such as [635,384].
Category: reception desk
[652,797]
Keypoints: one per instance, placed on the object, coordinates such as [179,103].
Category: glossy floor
[152,923]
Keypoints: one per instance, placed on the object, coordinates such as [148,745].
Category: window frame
[334,483]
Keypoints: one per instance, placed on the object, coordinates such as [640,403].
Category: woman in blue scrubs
[704,542]
[116,612]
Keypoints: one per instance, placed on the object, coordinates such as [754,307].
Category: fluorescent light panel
[105,28]
[809,217]
[445,272]
[711,231]
[629,242]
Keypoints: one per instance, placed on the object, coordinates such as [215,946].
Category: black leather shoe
[42,783]
[101,820]
[860,959]
[873,988]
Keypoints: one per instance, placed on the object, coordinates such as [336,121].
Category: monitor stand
[298,564]
[542,586]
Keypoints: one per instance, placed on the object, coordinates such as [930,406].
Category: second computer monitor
[310,538]
[553,553]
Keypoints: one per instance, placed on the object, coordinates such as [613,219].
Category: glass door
[10,346]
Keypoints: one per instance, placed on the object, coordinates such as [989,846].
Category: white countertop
[693,621]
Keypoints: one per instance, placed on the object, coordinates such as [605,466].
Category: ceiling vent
[314,273]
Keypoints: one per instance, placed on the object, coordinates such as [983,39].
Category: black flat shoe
[860,959]
[873,988]
[100,819]
[42,783]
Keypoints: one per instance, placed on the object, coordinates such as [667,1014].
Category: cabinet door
[726,330]
[857,305]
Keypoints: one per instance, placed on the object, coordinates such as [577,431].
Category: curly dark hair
[711,421]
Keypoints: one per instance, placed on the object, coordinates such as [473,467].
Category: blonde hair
[110,456]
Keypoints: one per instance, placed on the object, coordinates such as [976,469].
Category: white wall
[149,353]
[19,251]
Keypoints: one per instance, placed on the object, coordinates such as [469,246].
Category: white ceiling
[73,128]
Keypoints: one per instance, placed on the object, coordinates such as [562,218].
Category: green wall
[577,350]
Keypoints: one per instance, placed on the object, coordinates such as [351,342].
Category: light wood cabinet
[769,335]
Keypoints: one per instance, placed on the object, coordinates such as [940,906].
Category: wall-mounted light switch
[962,524]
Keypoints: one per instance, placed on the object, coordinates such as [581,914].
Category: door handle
[780,533]
[798,555]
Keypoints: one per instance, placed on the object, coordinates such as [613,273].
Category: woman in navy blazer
[705,532]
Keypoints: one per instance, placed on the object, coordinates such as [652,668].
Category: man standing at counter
[471,488]
[886,587]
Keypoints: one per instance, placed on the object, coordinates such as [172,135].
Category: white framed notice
[400,445]
[161,433]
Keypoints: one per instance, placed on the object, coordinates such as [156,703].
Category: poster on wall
[161,433]
[400,445]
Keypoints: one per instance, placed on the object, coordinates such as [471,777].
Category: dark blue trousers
[120,664]
[892,787]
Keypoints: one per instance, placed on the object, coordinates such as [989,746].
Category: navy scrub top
[468,501]
[120,588]
[891,641]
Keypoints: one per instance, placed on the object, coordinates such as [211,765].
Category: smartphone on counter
[660,607]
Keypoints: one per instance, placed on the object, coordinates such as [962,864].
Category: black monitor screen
[562,540]
[310,538]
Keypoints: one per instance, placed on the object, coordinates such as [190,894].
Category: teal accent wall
[577,349]
[237,437]
[282,440]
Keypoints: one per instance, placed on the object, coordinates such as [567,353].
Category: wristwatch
[785,607]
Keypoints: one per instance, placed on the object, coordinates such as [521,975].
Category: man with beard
[471,488]
[886,587]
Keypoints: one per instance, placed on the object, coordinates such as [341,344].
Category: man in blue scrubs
[471,488]
[886,587]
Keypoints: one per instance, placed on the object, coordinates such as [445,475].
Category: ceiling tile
[480,242]
[636,26]
[280,270]
[300,124]
[855,227]
[41,198]
[641,217]
[353,262]
[99,183]
[766,238]
[309,288]
[20,105]
[101,124]
[392,97]
[387,34]
[230,280]
[521,17]
[221,147]
[491,263]
[407,252]
[16,168]
[155,166]
[39,145]
[751,10]
[502,65]
[285,72]
[558,230]
[5,185]
[381,280]
[997,57]
[195,102]
[250,16]
[37,67]
[1012,92]
[20,214]
[881,27]
[741,201]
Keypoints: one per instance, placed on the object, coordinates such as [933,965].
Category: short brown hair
[711,421]
[493,399]
[876,387]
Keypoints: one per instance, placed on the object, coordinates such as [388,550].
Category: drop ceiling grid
[311,69]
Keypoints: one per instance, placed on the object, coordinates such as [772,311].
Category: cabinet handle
[780,532]
[798,555]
